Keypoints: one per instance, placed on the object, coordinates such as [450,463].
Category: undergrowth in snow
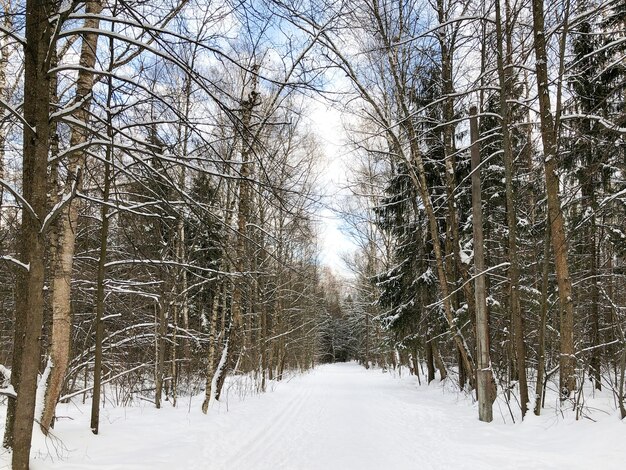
[338,416]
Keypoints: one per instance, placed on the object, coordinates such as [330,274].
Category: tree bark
[541,350]
[32,249]
[567,362]
[443,373]
[100,305]
[5,91]
[104,234]
[453,239]
[430,364]
[100,294]
[417,173]
[60,342]
[161,333]
[590,249]
[235,331]
[622,374]
[484,373]
[212,345]
[511,218]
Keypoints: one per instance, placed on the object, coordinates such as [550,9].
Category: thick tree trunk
[181,312]
[30,282]
[466,359]
[567,361]
[219,378]
[180,305]
[60,342]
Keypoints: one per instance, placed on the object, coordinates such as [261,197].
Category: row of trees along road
[158,192]
[548,80]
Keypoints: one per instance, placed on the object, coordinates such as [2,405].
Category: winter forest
[165,180]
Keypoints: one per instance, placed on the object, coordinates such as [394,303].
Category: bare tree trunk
[220,372]
[622,367]
[466,358]
[245,197]
[173,354]
[5,54]
[456,266]
[181,307]
[243,213]
[430,364]
[67,224]
[212,345]
[100,302]
[281,360]
[443,373]
[30,280]
[592,253]
[367,340]
[179,291]
[104,235]
[417,173]
[484,373]
[159,372]
[557,222]
[541,351]
[263,337]
[514,268]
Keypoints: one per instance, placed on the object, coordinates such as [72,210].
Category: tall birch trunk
[220,302]
[234,332]
[208,390]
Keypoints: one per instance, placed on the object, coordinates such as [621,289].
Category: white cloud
[326,122]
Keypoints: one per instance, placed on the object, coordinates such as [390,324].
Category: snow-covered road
[340,417]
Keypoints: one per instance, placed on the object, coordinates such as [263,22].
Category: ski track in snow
[338,416]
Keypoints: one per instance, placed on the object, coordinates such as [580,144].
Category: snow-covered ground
[338,416]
